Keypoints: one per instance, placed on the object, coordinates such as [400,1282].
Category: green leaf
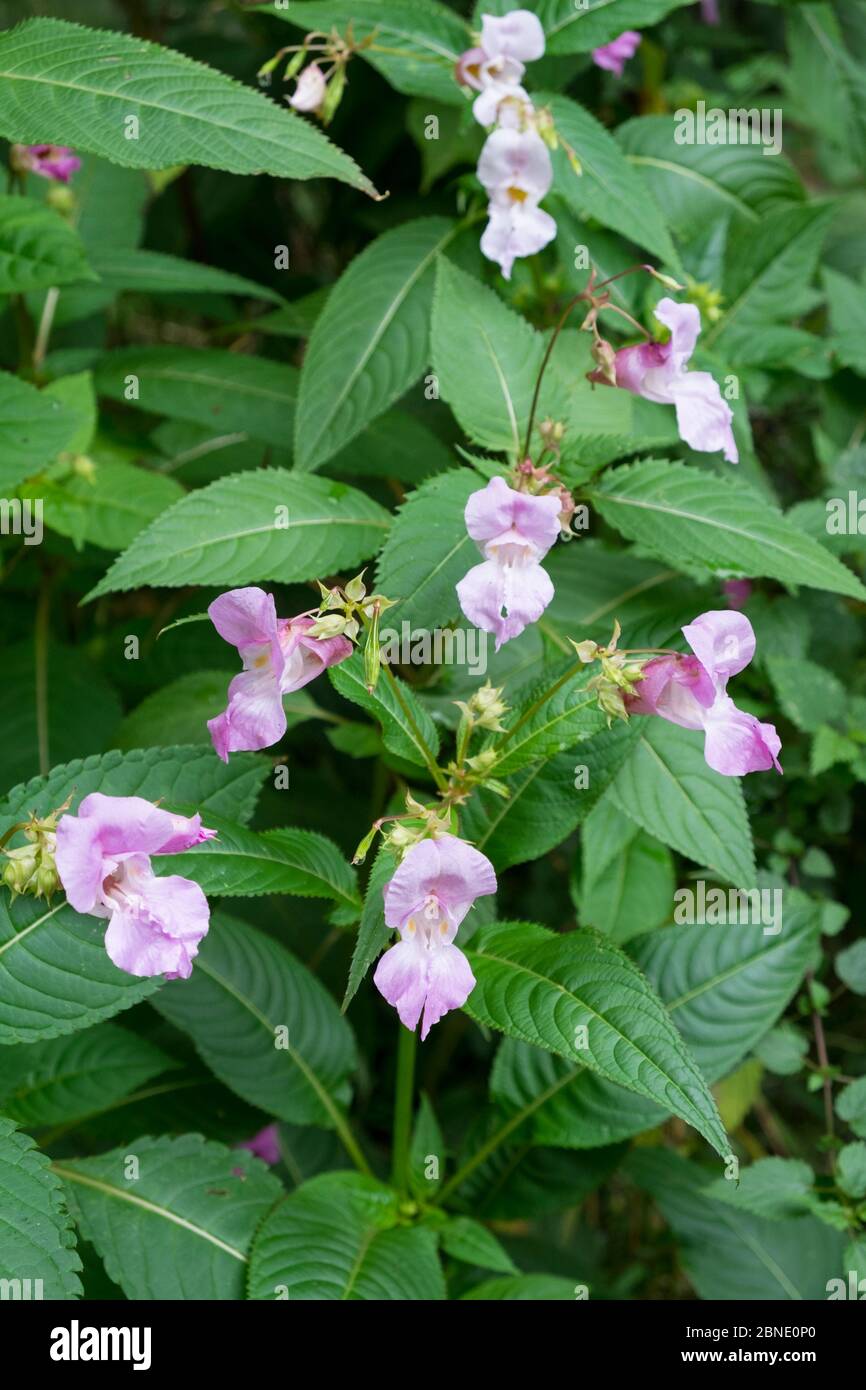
[486,359]
[667,788]
[628,877]
[773,1187]
[850,966]
[471,1243]
[250,527]
[723,989]
[577,29]
[706,524]
[517,1182]
[851,1105]
[244,863]
[108,509]
[735,1255]
[524,1288]
[38,248]
[809,694]
[38,1239]
[782,1050]
[152,272]
[548,800]
[609,188]
[427,1143]
[337,1238]
[182,1226]
[543,988]
[373,934]
[67,1079]
[407,729]
[62,83]
[370,343]
[244,988]
[700,186]
[229,392]
[555,712]
[428,551]
[847,303]
[416,44]
[34,428]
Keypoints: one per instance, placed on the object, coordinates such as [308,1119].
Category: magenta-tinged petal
[406,891]
[503,598]
[703,418]
[515,159]
[737,743]
[633,364]
[447,867]
[57,162]
[155,929]
[675,687]
[449,984]
[401,977]
[307,657]
[187,832]
[613,56]
[723,642]
[518,34]
[497,509]
[245,617]
[265,1145]
[684,322]
[255,717]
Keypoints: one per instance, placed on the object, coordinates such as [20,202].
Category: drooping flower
[658,372]
[103,861]
[613,56]
[426,900]
[265,1145]
[515,170]
[692,691]
[57,162]
[278,655]
[514,532]
[310,89]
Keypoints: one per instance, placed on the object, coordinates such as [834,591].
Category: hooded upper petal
[245,617]
[723,641]
[497,510]
[518,34]
[450,869]
[676,687]
[684,322]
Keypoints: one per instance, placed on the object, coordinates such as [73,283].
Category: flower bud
[605,356]
[329,625]
[356,589]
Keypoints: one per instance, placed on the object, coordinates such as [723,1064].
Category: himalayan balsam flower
[426,900]
[657,371]
[265,1145]
[56,162]
[278,658]
[692,691]
[515,170]
[310,89]
[103,860]
[613,56]
[514,532]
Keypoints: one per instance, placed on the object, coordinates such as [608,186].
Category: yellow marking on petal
[518,195]
[411,925]
[260,661]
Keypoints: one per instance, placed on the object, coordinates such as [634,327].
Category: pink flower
[278,657]
[514,532]
[56,162]
[710,11]
[103,861]
[426,900]
[692,691]
[657,371]
[613,56]
[496,67]
[309,90]
[737,591]
[265,1145]
[515,170]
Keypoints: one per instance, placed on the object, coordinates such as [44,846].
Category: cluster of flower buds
[420,822]
[483,710]
[342,613]
[319,84]
[618,676]
[31,868]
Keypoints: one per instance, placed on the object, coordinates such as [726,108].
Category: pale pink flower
[692,691]
[309,90]
[426,900]
[103,861]
[519,34]
[516,171]
[613,56]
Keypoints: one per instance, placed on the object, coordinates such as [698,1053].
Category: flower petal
[723,641]
[703,418]
[157,927]
[449,984]
[401,977]
[255,717]
[504,599]
[517,159]
[519,34]
[737,742]
[613,56]
[245,617]
[684,322]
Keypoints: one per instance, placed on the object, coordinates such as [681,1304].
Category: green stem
[432,766]
[349,1142]
[544,361]
[403,1096]
[535,707]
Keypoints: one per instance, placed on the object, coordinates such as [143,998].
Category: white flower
[310,90]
